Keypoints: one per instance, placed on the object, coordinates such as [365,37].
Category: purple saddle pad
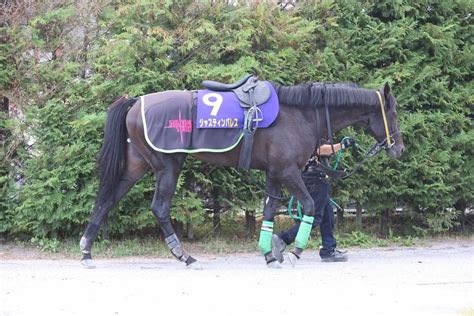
[217,109]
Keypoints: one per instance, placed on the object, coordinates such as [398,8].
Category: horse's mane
[344,95]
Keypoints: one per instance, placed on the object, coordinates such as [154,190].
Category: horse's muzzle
[395,151]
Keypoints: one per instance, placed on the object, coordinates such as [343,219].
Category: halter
[382,107]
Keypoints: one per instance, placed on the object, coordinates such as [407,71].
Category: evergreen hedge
[62,64]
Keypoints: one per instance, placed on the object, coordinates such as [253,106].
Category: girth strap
[251,119]
[246,150]
[251,116]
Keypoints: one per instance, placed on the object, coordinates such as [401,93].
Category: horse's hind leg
[167,172]
[136,168]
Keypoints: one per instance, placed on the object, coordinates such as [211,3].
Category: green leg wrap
[304,231]
[265,240]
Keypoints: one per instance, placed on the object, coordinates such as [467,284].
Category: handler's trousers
[320,194]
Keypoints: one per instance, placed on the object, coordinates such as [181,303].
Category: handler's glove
[348,142]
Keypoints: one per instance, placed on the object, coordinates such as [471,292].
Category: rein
[378,146]
[372,151]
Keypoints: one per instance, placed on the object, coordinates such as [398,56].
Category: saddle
[249,90]
[251,93]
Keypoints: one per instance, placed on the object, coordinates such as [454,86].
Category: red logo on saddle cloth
[182,126]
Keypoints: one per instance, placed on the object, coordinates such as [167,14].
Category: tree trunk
[4,104]
[358,219]
[461,206]
[385,221]
[178,228]
[250,223]
[340,218]
[84,52]
[190,230]
[105,229]
[216,218]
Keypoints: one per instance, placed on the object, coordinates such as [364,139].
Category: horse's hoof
[88,263]
[278,247]
[274,265]
[292,258]
[195,265]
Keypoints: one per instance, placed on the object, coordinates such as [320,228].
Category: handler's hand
[347,142]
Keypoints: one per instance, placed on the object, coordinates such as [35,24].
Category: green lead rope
[298,207]
[338,159]
[335,204]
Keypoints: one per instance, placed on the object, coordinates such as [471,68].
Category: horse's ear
[386,89]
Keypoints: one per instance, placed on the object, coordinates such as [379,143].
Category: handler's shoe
[335,256]
[278,247]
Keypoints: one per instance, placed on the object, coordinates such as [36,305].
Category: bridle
[386,143]
[388,140]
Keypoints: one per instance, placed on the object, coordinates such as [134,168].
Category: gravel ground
[435,280]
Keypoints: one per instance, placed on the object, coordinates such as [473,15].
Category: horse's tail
[112,156]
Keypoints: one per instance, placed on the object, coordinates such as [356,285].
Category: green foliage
[357,238]
[366,240]
[5,177]
[65,64]
[45,244]
[441,221]
[420,47]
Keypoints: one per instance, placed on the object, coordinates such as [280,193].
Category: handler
[316,180]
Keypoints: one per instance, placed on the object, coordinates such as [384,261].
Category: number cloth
[217,109]
[171,123]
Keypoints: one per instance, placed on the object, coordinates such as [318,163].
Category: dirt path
[436,280]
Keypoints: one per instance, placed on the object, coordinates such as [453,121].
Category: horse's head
[393,142]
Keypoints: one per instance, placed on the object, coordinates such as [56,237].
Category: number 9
[216,104]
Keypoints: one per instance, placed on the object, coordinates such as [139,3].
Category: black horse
[281,150]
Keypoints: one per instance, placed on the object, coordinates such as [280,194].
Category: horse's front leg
[295,184]
[165,188]
[272,189]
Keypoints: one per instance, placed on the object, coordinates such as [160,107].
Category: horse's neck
[348,107]
[342,118]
